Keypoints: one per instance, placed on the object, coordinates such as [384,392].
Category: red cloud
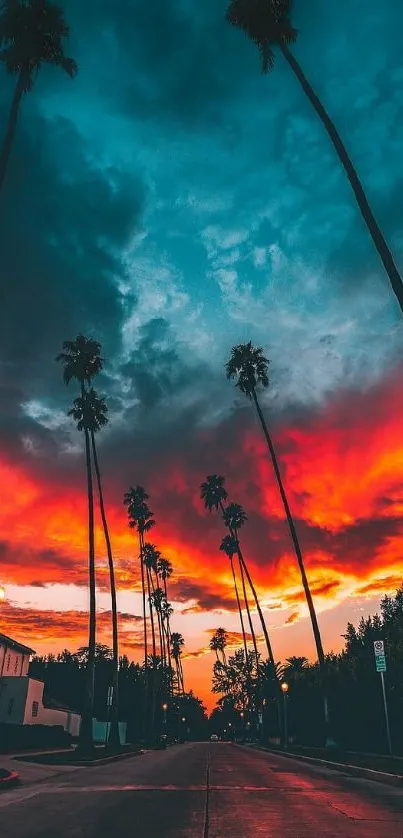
[342,467]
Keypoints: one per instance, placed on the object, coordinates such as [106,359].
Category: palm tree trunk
[85,742]
[259,610]
[146,678]
[168,630]
[11,127]
[114,735]
[240,611]
[252,630]
[182,677]
[298,553]
[153,671]
[356,185]
[149,586]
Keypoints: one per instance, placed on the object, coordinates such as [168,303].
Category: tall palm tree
[249,366]
[215,495]
[177,643]
[149,559]
[229,547]
[267,23]
[140,518]
[91,413]
[166,614]
[82,361]
[32,34]
[165,570]
[234,518]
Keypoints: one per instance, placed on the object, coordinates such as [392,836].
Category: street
[203,790]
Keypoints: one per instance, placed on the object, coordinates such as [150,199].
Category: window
[8,662]
[15,664]
[10,706]
[35,708]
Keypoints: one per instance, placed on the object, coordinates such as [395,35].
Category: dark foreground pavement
[203,791]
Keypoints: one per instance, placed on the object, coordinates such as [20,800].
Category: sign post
[380,663]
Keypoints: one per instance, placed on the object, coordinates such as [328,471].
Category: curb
[91,763]
[10,778]
[353,770]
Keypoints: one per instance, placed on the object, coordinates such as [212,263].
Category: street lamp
[284,689]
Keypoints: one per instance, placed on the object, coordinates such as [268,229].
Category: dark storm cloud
[173,60]
[65,223]
[155,370]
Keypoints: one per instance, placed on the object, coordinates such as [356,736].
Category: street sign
[380,663]
[379,648]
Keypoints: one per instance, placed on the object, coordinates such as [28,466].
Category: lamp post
[164,735]
[242,715]
[284,689]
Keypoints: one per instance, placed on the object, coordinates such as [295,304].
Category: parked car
[214,737]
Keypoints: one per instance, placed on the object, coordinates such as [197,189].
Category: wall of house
[13,662]
[37,714]
[13,694]
[21,702]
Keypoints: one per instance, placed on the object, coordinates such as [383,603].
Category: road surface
[203,790]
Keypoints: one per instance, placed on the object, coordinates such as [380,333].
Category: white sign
[379,647]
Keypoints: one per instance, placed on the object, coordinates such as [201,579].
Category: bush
[29,737]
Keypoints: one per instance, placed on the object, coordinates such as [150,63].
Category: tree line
[354,688]
[64,676]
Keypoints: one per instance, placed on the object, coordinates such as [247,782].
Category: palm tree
[149,561]
[165,570]
[91,413]
[140,518]
[177,643]
[214,495]
[218,643]
[229,547]
[82,361]
[234,518]
[267,23]
[249,366]
[32,34]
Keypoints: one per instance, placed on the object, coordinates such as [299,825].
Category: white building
[21,698]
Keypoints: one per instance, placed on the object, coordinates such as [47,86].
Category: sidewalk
[33,772]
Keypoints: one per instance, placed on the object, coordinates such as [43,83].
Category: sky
[171,202]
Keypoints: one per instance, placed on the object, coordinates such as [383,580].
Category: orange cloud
[343,470]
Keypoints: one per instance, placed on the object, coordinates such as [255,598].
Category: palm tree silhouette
[218,643]
[82,361]
[215,495]
[229,547]
[177,643]
[140,518]
[234,518]
[91,413]
[165,570]
[249,366]
[267,23]
[32,34]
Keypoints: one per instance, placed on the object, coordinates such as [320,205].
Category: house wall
[13,663]
[13,694]
[47,716]
[21,702]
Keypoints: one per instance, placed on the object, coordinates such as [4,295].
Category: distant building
[22,701]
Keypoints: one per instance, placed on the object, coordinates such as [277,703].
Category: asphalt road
[203,791]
